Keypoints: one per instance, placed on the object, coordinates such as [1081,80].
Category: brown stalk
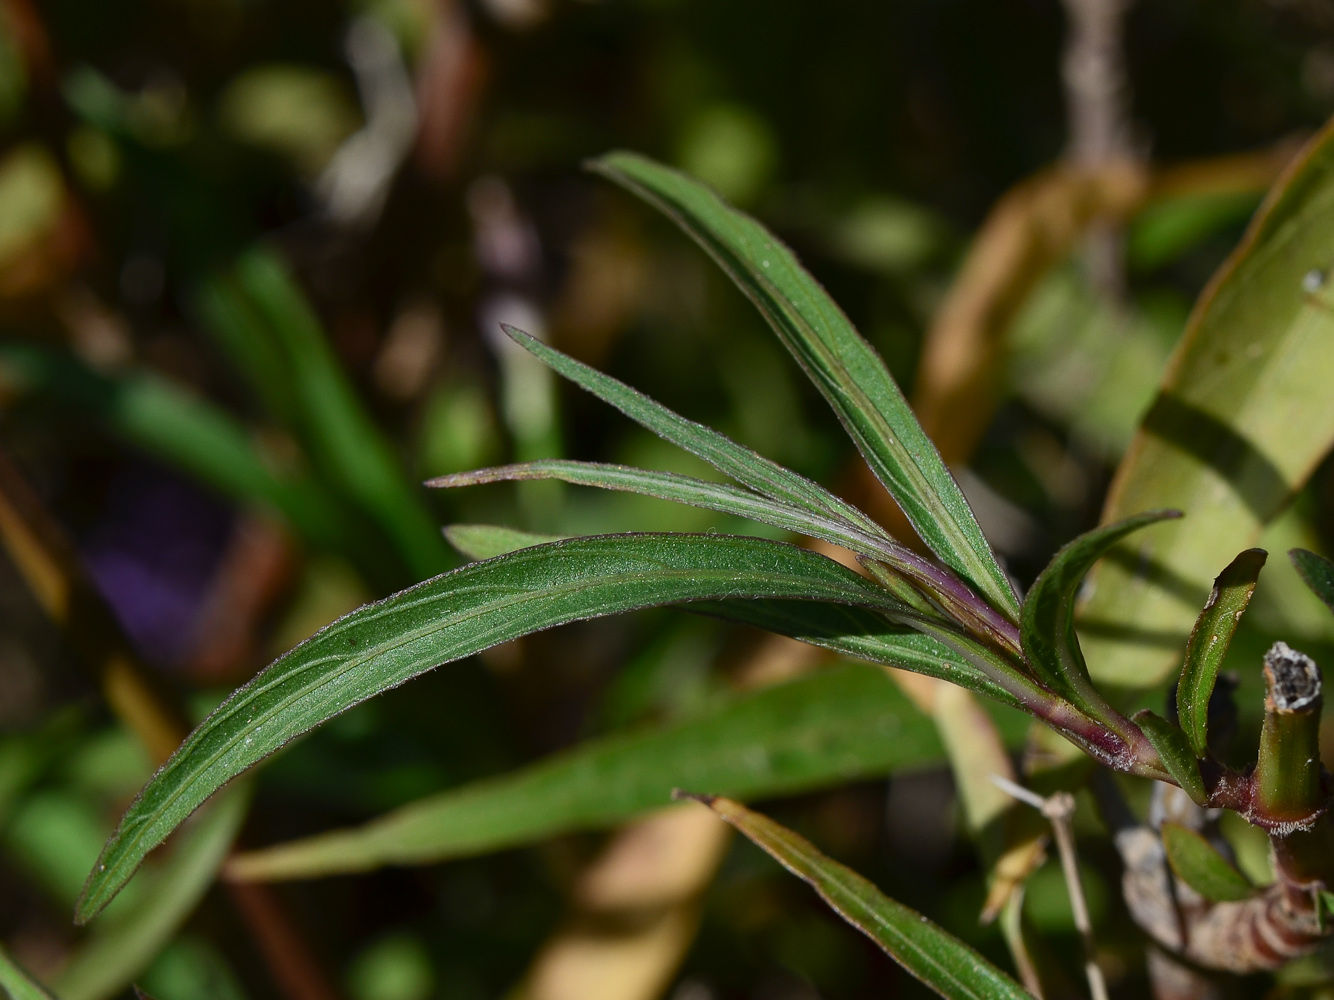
[42,553]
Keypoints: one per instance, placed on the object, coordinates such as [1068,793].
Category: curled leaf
[1209,643]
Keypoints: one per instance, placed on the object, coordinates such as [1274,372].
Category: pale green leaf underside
[382,645]
[842,724]
[1243,416]
[935,957]
[485,541]
[1198,864]
[843,366]
[120,951]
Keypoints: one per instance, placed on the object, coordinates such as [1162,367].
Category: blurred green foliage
[242,316]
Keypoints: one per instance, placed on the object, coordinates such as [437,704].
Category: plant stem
[1288,776]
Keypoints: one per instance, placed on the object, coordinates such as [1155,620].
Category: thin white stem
[1059,809]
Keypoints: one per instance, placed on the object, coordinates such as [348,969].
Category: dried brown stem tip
[1288,786]
[1292,679]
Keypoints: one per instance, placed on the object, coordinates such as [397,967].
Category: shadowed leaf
[1209,643]
[937,958]
[1243,416]
[1198,864]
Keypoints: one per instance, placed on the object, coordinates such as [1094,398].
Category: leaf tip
[681,795]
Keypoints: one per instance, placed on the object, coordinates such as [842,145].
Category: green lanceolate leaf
[484,541]
[935,957]
[1198,864]
[1209,643]
[1047,626]
[382,645]
[121,950]
[1317,572]
[681,489]
[1175,752]
[1243,416]
[771,480]
[842,724]
[843,366]
[745,466]
[16,984]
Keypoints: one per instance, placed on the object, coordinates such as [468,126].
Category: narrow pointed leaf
[1047,626]
[485,541]
[17,984]
[843,366]
[1209,643]
[1317,572]
[115,954]
[777,483]
[382,645]
[925,950]
[1198,864]
[681,489]
[1175,752]
[745,466]
[842,724]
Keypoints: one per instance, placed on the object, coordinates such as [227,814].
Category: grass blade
[16,984]
[1047,627]
[843,366]
[1198,864]
[933,956]
[841,724]
[382,645]
[682,489]
[1175,752]
[1209,642]
[117,953]
[485,541]
[314,395]
[1317,572]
